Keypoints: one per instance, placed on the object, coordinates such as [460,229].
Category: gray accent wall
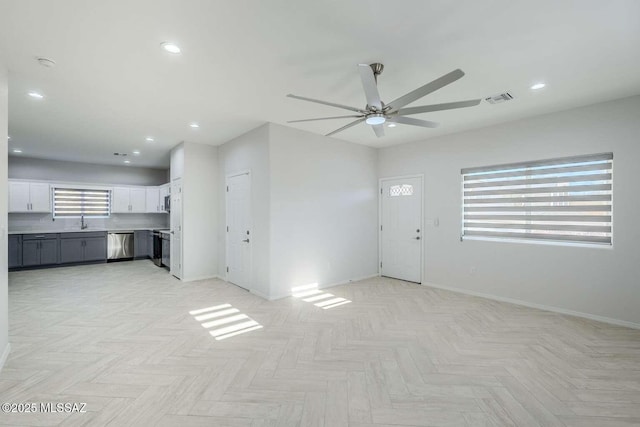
[56,170]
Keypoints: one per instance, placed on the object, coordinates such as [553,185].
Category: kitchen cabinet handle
[39,237]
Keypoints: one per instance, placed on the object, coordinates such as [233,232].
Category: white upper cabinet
[129,200]
[138,199]
[153,199]
[29,196]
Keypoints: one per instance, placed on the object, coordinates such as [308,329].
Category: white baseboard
[589,316]
[193,279]
[5,355]
[325,286]
[261,295]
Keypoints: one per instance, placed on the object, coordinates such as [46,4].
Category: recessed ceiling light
[127,161]
[194,125]
[170,47]
[392,125]
[149,139]
[17,150]
[538,86]
[136,152]
[36,95]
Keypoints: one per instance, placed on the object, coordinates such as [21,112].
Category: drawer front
[85,235]
[39,236]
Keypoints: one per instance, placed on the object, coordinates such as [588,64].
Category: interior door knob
[246,240]
[418,238]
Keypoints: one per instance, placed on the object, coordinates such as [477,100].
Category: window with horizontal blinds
[564,200]
[75,202]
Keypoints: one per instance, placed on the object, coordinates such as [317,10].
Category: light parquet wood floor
[120,338]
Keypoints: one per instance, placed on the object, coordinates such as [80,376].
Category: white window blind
[567,200]
[75,202]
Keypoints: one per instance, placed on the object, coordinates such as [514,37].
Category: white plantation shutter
[566,200]
[75,202]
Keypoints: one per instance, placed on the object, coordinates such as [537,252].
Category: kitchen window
[77,202]
[566,200]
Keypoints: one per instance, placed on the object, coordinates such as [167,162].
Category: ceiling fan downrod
[377,69]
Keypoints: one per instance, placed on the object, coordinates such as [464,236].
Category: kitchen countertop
[86,230]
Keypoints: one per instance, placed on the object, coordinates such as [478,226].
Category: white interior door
[239,230]
[401,231]
[176,229]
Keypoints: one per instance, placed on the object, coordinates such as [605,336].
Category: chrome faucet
[83,225]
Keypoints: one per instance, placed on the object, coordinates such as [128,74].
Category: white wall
[596,281]
[4,308]
[249,152]
[199,211]
[324,210]
[56,170]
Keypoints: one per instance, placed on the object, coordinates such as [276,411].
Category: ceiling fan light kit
[375,119]
[376,112]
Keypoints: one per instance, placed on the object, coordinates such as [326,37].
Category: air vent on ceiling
[497,99]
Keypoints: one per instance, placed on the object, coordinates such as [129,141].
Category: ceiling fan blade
[437,107]
[323,118]
[346,127]
[379,130]
[414,122]
[331,104]
[426,89]
[370,86]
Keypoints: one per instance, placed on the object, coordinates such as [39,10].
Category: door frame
[392,178]
[226,224]
[172,248]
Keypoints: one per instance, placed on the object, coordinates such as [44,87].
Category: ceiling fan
[376,112]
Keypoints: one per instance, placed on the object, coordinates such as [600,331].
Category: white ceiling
[113,85]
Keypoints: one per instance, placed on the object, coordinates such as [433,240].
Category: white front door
[239,230]
[401,229]
[176,229]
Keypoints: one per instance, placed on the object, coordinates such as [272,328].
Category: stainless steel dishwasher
[119,245]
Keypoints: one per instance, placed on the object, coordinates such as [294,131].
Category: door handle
[246,240]
[417,238]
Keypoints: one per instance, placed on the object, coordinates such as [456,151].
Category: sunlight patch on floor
[235,323]
[311,293]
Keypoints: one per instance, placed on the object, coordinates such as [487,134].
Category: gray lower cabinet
[83,247]
[95,248]
[15,250]
[39,249]
[140,244]
[71,250]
